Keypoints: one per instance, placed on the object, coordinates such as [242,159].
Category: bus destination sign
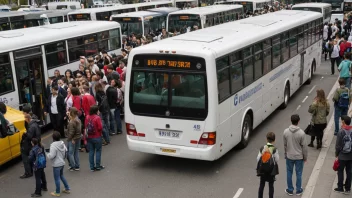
[168,63]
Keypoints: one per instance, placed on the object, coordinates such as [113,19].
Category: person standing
[320,110]
[74,139]
[345,69]
[295,154]
[104,110]
[335,57]
[268,150]
[343,153]
[341,99]
[94,129]
[111,94]
[37,158]
[56,154]
[55,106]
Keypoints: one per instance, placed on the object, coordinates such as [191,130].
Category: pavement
[130,174]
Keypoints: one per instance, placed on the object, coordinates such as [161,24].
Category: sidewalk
[324,180]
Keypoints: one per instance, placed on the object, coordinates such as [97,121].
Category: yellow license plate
[168,150]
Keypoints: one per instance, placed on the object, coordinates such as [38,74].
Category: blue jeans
[59,175]
[112,121]
[118,119]
[289,170]
[338,113]
[105,121]
[348,82]
[73,153]
[94,146]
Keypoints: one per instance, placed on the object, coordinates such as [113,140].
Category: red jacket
[76,102]
[87,101]
[343,47]
[98,126]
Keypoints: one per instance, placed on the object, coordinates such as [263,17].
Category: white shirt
[53,105]
[335,51]
[325,32]
[69,102]
[95,68]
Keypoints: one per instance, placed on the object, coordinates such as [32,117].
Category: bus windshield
[247,6]
[169,86]
[335,4]
[184,23]
[130,25]
[79,17]
[347,7]
[308,9]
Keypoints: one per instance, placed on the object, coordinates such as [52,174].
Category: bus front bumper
[207,153]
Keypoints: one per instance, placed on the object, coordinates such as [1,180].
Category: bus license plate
[164,150]
[170,134]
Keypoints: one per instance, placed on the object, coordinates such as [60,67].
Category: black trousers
[58,123]
[40,181]
[28,170]
[333,60]
[262,186]
[344,165]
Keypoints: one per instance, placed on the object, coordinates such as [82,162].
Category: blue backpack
[344,100]
[40,159]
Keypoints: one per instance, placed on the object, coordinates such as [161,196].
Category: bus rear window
[308,9]
[170,92]
[80,17]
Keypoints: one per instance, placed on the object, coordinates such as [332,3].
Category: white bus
[324,8]
[67,5]
[202,17]
[38,52]
[104,13]
[248,5]
[186,4]
[143,22]
[200,94]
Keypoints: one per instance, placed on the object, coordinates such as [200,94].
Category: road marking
[304,99]
[312,89]
[328,136]
[299,106]
[238,193]
[2,176]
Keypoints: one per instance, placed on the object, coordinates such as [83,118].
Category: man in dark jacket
[111,94]
[33,131]
[55,106]
[112,74]
[343,152]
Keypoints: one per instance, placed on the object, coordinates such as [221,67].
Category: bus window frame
[8,64]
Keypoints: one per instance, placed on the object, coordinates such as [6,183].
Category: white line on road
[304,99]
[299,106]
[238,193]
[328,136]
[312,89]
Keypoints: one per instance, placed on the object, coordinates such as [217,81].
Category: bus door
[301,73]
[30,79]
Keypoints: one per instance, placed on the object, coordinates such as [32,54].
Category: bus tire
[312,69]
[246,131]
[286,97]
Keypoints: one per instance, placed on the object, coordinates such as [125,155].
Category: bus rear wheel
[246,131]
[286,97]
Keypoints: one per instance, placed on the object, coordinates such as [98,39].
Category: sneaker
[119,132]
[72,169]
[347,192]
[299,192]
[290,193]
[54,194]
[92,170]
[338,190]
[76,169]
[66,191]
[100,168]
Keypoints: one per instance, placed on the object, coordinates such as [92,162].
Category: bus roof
[257,1]
[29,37]
[137,14]
[312,5]
[49,13]
[12,13]
[177,1]
[116,7]
[164,10]
[231,36]
[207,10]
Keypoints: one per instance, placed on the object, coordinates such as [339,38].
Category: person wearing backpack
[345,69]
[342,100]
[267,165]
[94,129]
[104,110]
[343,152]
[295,154]
[57,155]
[329,46]
[38,159]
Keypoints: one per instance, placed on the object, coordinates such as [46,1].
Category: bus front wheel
[246,131]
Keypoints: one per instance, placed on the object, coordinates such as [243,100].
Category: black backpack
[266,164]
[103,105]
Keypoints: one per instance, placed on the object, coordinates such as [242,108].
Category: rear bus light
[131,130]
[208,138]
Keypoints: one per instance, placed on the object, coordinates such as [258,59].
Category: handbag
[336,165]
[309,128]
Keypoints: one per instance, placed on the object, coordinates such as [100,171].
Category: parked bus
[26,64]
[335,4]
[200,94]
[248,5]
[47,17]
[66,5]
[324,8]
[5,8]
[143,22]
[202,17]
[186,4]
[104,13]
[347,6]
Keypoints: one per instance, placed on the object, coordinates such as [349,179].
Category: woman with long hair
[319,109]
[74,139]
[69,75]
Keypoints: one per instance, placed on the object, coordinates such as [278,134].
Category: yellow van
[10,145]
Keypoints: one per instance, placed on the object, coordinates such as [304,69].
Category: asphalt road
[131,174]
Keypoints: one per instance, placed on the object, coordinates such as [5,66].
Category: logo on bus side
[247,94]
